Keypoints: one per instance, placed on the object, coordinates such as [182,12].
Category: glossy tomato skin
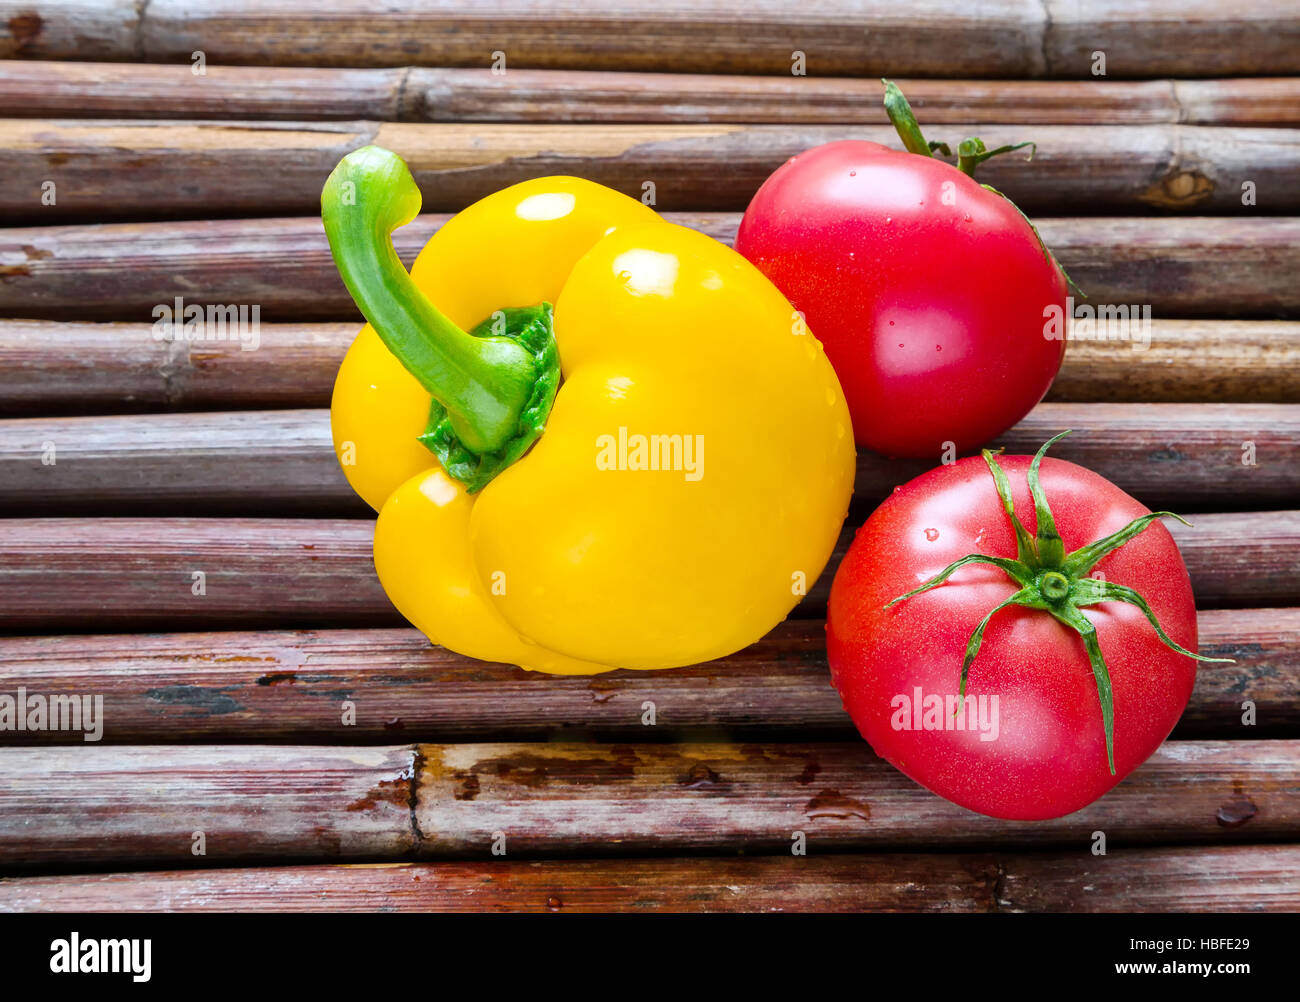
[1049,756]
[927,290]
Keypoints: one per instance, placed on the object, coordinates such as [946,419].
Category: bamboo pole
[282,462]
[290,686]
[1058,38]
[98,806]
[237,802]
[1237,878]
[67,367]
[1180,267]
[105,169]
[122,271]
[97,574]
[35,89]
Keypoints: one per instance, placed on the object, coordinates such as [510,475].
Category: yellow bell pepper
[696,462]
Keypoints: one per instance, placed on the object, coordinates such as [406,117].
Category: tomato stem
[972,152]
[904,121]
[1054,585]
[1055,582]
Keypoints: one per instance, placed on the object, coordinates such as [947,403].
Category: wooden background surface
[223,712]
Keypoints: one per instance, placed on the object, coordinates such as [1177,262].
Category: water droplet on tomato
[938,347]
[853,173]
[891,323]
[932,534]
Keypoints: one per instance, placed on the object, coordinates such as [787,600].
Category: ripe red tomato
[927,290]
[1038,749]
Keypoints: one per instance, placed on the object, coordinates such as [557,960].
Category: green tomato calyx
[1056,582]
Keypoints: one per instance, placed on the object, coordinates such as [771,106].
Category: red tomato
[927,290]
[1048,756]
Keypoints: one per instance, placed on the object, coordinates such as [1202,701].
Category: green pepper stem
[483,382]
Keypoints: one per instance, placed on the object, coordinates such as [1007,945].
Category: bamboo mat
[222,711]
